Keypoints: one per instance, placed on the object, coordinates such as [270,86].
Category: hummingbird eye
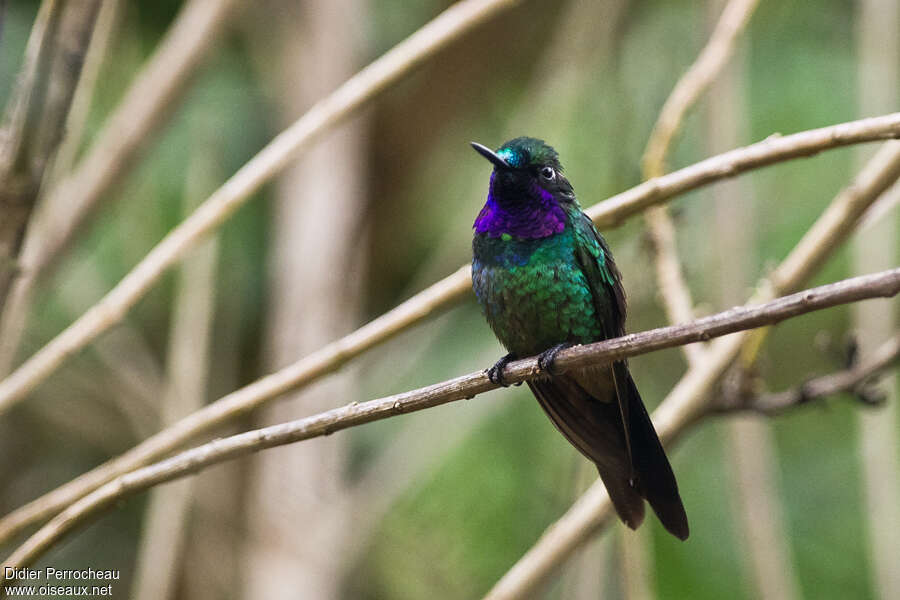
[548,173]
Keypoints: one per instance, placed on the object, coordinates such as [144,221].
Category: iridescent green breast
[533,292]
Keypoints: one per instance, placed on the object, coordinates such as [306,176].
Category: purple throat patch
[539,216]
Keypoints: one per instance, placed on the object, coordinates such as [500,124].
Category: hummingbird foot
[546,358]
[495,373]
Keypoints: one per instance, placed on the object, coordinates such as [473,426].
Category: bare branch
[108,20]
[240,402]
[852,380]
[131,127]
[694,82]
[35,117]
[884,284]
[149,101]
[673,288]
[775,148]
[440,295]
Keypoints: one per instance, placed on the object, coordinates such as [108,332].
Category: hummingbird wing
[649,473]
[587,406]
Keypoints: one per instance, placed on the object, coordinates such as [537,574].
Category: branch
[774,149]
[673,288]
[35,118]
[440,295]
[152,97]
[884,284]
[148,102]
[694,82]
[876,177]
[841,217]
[852,380]
[685,403]
[105,30]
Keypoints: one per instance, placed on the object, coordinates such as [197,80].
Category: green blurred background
[441,503]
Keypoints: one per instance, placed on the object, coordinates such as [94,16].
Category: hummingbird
[546,280]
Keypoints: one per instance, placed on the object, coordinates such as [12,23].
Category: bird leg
[546,358]
[495,373]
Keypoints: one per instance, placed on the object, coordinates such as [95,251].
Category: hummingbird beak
[490,155]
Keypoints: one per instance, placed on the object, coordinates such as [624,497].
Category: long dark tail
[594,408]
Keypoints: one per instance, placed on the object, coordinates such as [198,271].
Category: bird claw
[547,357]
[495,373]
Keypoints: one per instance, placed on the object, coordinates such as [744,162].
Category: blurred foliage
[457,529]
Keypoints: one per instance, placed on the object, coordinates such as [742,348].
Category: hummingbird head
[526,192]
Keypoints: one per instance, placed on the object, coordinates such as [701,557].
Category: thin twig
[34,121]
[673,289]
[139,116]
[440,295]
[835,224]
[108,19]
[850,380]
[877,285]
[149,101]
[776,148]
[685,403]
[695,81]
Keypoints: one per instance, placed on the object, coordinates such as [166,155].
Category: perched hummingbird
[546,280]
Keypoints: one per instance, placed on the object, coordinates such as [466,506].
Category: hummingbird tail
[592,408]
[595,429]
[656,481]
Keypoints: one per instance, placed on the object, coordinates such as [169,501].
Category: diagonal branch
[694,82]
[34,120]
[676,295]
[18,135]
[449,290]
[148,102]
[774,149]
[131,127]
[883,284]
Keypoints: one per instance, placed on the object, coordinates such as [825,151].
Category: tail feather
[584,406]
[657,480]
